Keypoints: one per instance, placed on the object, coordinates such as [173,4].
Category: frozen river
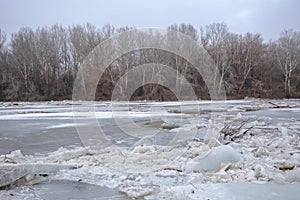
[43,130]
[36,128]
[44,127]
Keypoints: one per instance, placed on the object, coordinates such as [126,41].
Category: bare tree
[83,39]
[287,54]
[180,64]
[2,63]
[22,57]
[2,40]
[244,55]
[251,55]
[215,39]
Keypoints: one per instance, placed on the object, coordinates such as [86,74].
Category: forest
[41,64]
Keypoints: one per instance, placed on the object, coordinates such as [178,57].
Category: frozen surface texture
[256,154]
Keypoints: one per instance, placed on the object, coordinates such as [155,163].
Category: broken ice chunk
[214,158]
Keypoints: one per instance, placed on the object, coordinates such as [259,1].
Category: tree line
[42,64]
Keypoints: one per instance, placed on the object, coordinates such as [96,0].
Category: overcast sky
[268,17]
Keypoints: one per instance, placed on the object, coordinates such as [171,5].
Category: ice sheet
[254,155]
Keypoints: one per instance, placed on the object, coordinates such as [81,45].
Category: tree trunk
[286,85]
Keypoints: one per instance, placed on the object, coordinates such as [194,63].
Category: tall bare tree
[215,39]
[287,54]
[180,64]
[2,63]
[22,57]
[245,53]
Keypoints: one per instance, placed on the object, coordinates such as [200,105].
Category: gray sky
[268,17]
